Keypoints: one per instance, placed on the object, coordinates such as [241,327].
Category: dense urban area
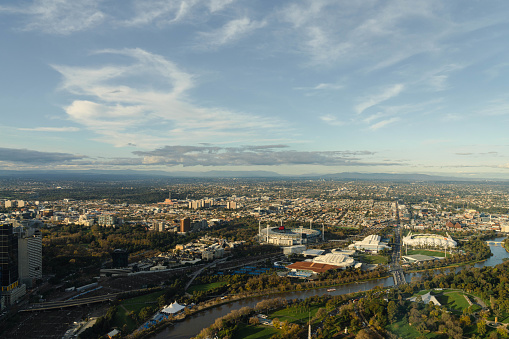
[140,257]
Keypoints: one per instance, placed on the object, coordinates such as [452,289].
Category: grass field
[423,292]
[206,287]
[373,259]
[295,314]
[454,301]
[403,330]
[255,332]
[134,304]
[503,319]
[431,253]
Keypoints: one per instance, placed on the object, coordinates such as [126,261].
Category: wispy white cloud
[323,87]
[217,5]
[330,30]
[496,107]
[436,141]
[51,129]
[436,79]
[332,120]
[120,104]
[496,70]
[372,117]
[328,86]
[378,98]
[380,34]
[479,154]
[230,32]
[68,16]
[59,16]
[159,12]
[449,117]
[383,123]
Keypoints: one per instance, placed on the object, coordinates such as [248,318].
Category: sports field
[430,253]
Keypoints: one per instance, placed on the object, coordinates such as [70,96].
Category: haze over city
[289,87]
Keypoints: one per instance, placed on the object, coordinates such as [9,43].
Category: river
[192,325]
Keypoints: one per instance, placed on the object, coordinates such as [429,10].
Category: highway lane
[395,268]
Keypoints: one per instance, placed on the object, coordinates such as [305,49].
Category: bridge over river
[399,277]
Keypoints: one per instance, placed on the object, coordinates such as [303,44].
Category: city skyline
[289,87]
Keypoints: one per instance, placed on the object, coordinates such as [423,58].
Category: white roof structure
[427,298]
[344,252]
[429,240]
[113,333]
[371,243]
[334,259]
[173,308]
[313,252]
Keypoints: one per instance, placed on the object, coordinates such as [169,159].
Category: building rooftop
[311,266]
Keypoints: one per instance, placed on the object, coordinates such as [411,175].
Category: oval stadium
[289,237]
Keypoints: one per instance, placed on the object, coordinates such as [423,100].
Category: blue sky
[287,86]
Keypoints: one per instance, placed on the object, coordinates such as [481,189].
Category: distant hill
[140,174]
[388,176]
[71,174]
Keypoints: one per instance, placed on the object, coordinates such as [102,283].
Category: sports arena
[429,240]
[289,237]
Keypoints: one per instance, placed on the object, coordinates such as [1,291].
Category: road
[198,272]
[395,268]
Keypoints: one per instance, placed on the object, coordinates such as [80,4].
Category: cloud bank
[268,155]
[120,104]
[26,156]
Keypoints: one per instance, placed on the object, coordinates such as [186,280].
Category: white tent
[427,298]
[173,308]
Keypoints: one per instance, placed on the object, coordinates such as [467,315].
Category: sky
[294,87]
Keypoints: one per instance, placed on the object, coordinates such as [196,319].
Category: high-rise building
[185,225]
[196,204]
[12,290]
[107,220]
[29,255]
[8,257]
[232,205]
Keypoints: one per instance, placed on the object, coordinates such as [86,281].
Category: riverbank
[272,293]
[191,326]
[473,262]
[215,303]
